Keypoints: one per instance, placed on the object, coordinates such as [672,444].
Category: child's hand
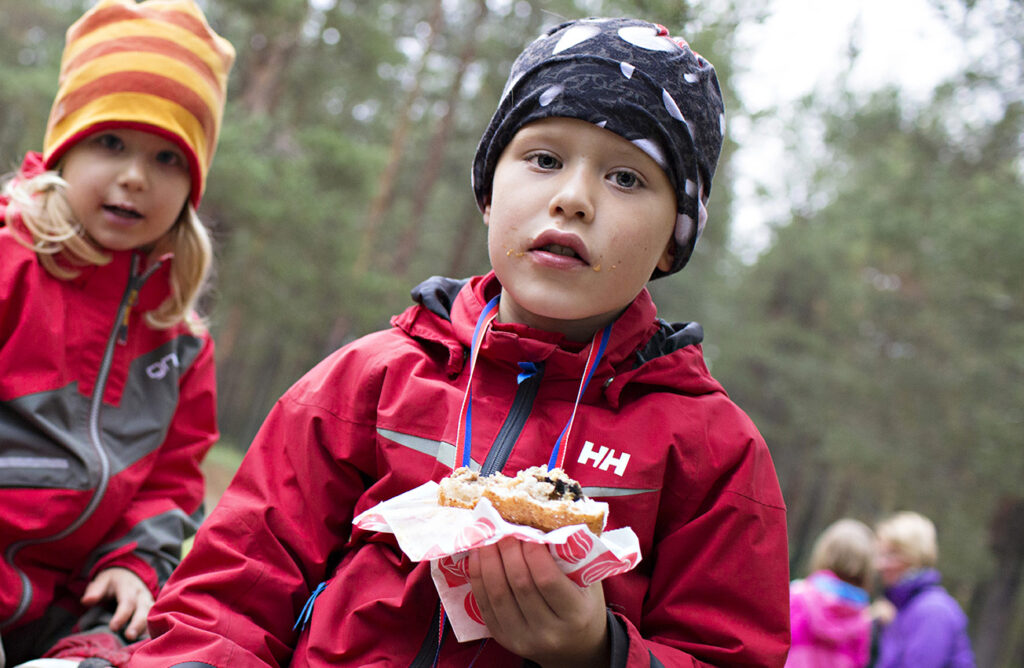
[132,595]
[534,610]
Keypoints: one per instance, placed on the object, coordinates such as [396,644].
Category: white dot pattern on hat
[510,84]
[670,106]
[651,148]
[702,216]
[647,37]
[683,226]
[549,95]
[627,69]
[575,35]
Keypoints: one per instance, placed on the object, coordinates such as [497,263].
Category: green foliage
[883,357]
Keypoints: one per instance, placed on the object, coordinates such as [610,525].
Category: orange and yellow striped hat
[155,66]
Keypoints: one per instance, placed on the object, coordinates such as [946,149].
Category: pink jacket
[829,622]
[655,436]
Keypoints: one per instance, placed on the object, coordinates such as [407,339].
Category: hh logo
[604,458]
[159,369]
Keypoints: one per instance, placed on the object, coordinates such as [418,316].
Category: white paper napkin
[426,531]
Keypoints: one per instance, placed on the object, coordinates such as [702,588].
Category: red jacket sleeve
[719,588]
[270,535]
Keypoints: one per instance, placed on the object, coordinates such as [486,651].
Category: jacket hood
[642,349]
[834,610]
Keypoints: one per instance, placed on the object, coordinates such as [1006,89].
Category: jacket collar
[449,310]
[911,585]
[642,349]
[109,281]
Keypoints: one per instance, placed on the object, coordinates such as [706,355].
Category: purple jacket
[829,622]
[929,630]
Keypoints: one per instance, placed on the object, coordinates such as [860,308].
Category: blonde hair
[42,205]
[912,536]
[847,548]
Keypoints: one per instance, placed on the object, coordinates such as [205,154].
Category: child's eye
[626,179]
[170,158]
[545,161]
[109,141]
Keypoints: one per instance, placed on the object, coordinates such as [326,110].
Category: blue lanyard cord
[307,610]
[464,442]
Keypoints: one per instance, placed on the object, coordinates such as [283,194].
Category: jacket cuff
[129,561]
[618,639]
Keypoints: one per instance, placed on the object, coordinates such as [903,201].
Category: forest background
[877,341]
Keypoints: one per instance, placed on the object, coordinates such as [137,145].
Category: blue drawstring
[479,650]
[529,371]
[307,610]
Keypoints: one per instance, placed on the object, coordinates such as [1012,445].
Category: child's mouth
[122,211]
[562,249]
[559,250]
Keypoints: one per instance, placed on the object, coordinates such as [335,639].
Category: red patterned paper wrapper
[426,531]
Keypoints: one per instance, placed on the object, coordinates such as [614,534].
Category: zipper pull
[135,283]
[122,329]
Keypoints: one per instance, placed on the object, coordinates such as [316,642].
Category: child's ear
[487,214]
[668,256]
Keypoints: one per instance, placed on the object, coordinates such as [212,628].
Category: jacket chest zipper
[522,404]
[497,456]
[119,334]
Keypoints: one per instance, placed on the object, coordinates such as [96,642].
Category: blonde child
[592,178]
[107,397]
[830,624]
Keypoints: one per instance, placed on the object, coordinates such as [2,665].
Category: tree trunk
[435,154]
[807,503]
[264,79]
[998,597]
[384,198]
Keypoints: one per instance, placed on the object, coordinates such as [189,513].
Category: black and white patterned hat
[630,77]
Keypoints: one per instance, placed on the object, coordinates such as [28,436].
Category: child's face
[126,187]
[890,563]
[578,219]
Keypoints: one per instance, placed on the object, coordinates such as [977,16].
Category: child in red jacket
[107,397]
[592,178]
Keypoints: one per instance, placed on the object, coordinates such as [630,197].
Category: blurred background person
[929,629]
[829,617]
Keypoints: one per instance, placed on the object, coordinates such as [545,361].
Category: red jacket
[659,440]
[102,428]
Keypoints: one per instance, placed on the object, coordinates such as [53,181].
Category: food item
[535,497]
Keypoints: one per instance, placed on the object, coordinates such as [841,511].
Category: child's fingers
[560,594]
[133,599]
[520,576]
[97,590]
[137,625]
[490,587]
[122,614]
[133,604]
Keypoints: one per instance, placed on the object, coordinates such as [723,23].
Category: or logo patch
[159,369]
